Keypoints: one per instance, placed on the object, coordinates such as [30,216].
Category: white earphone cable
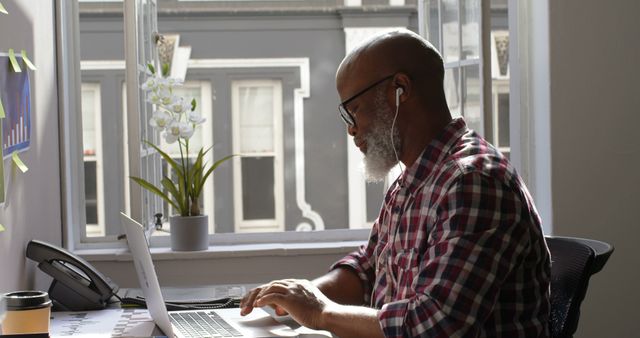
[393,124]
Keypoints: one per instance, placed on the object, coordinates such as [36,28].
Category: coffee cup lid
[27,300]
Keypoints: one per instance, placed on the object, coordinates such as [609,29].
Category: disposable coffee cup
[27,312]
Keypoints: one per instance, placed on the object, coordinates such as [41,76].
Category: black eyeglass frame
[346,116]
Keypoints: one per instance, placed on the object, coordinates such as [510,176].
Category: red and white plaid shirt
[457,250]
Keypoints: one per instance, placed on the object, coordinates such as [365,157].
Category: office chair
[573,261]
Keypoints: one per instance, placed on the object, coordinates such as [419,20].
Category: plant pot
[189,233]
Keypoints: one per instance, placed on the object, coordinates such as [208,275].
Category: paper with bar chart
[15,94]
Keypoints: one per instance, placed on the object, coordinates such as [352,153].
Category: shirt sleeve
[477,239]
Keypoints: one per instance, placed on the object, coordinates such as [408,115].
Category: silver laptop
[198,323]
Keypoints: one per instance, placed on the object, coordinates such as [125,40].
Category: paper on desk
[104,323]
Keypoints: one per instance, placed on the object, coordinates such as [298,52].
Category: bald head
[407,73]
[399,51]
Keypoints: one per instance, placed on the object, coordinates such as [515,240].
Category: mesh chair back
[573,261]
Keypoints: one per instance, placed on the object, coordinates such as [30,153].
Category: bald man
[457,250]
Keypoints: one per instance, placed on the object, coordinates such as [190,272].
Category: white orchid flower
[168,99]
[154,98]
[172,133]
[180,105]
[171,82]
[195,117]
[159,97]
[150,84]
[186,130]
[160,119]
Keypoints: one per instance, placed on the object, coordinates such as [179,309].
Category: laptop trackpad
[260,324]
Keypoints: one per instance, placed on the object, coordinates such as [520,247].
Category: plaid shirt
[457,250]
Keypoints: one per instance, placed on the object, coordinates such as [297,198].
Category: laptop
[199,323]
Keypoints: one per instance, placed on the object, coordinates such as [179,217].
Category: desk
[136,322]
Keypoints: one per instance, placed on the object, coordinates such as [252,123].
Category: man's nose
[351,130]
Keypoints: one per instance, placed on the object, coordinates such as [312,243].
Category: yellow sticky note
[14,62]
[2,9]
[27,61]
[2,114]
[16,159]
[1,227]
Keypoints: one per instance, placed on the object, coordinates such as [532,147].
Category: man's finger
[246,304]
[273,288]
[280,311]
[269,299]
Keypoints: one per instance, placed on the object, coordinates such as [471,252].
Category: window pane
[432,22]
[471,98]
[89,136]
[258,199]
[256,119]
[450,31]
[452,90]
[503,120]
[91,192]
[470,22]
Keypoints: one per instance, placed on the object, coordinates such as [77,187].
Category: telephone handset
[76,286]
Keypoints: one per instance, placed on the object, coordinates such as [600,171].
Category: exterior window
[500,89]
[257,142]
[269,99]
[92,152]
[454,27]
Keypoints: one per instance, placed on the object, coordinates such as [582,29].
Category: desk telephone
[76,286]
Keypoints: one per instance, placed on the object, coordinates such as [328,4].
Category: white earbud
[399,92]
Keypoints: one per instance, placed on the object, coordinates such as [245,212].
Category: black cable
[222,303]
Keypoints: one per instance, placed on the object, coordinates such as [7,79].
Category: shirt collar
[414,176]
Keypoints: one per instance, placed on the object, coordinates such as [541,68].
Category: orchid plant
[176,118]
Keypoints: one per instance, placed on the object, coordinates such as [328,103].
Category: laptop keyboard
[202,324]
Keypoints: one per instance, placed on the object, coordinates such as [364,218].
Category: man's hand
[299,298]
[247,303]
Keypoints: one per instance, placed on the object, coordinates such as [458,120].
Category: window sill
[226,251]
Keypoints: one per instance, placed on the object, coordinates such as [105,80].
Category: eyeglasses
[346,116]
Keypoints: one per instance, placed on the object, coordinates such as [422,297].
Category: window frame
[483,60]
[262,225]
[73,180]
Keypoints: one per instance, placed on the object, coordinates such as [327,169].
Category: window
[270,92]
[93,161]
[257,143]
[500,89]
[454,27]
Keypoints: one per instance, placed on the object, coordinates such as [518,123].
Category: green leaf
[184,194]
[198,180]
[194,103]
[174,165]
[152,69]
[213,167]
[143,183]
[170,186]
[165,69]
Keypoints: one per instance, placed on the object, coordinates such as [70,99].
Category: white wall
[32,209]
[594,53]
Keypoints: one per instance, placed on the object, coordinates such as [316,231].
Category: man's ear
[403,85]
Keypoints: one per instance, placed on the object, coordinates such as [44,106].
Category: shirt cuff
[392,318]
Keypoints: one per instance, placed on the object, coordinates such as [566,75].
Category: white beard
[380,157]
